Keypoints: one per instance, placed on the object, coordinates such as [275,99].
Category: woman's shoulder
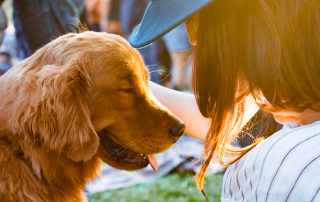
[290,138]
[281,166]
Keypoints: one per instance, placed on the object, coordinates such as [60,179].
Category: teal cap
[161,16]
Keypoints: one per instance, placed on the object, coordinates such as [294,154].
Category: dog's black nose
[177,130]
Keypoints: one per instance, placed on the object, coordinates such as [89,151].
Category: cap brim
[161,16]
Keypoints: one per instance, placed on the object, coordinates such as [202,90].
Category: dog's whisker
[151,65]
[134,151]
[129,144]
[156,71]
[147,148]
[123,148]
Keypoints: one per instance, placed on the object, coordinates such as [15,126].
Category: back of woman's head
[274,45]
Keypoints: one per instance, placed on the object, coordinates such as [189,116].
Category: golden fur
[65,107]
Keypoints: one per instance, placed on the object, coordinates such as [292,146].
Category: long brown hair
[273,46]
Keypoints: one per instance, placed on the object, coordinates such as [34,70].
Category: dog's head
[87,94]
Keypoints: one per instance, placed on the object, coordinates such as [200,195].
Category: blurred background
[33,23]
[26,25]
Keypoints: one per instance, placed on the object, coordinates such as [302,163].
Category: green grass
[172,188]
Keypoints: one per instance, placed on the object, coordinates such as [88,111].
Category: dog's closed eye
[127,90]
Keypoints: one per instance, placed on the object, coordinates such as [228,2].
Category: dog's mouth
[126,155]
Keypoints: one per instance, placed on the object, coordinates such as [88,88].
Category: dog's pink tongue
[153,161]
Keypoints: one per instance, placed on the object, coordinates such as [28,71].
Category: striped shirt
[284,167]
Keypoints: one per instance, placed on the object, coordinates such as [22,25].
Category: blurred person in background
[10,51]
[94,10]
[5,58]
[5,62]
[113,25]
[3,22]
[37,22]
[97,12]
[179,48]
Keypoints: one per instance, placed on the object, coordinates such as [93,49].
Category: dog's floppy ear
[58,115]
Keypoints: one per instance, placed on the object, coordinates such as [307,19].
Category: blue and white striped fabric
[284,167]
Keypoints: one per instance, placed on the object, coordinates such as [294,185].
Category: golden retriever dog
[80,99]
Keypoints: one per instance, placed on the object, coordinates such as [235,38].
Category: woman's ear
[58,113]
[192,24]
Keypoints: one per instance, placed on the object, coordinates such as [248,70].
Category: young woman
[263,50]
